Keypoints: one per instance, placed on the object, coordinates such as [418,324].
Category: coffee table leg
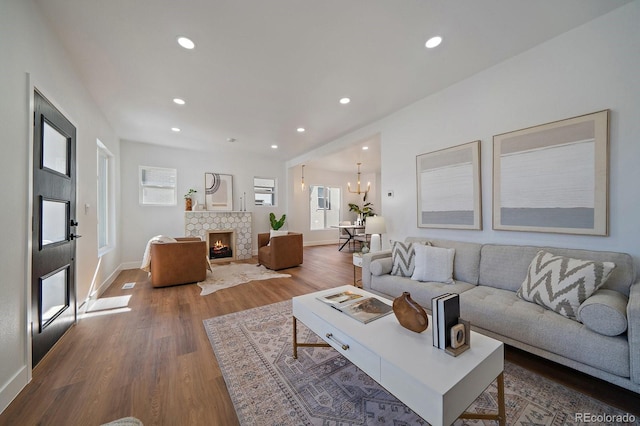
[295,338]
[296,345]
[502,412]
[501,415]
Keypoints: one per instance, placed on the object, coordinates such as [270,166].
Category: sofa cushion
[466,264]
[381,266]
[503,313]
[392,286]
[403,255]
[433,264]
[505,266]
[562,283]
[605,312]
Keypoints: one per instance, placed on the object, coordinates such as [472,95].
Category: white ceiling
[262,68]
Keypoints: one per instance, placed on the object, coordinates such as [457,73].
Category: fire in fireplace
[222,244]
[220,250]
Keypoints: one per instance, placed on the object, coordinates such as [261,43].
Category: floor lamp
[375,227]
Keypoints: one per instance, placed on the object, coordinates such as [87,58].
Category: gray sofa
[487,277]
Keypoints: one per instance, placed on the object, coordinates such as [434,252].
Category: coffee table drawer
[366,360]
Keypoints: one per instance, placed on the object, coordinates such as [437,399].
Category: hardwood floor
[149,356]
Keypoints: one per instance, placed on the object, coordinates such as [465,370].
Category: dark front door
[53,289]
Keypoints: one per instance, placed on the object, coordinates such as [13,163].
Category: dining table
[351,233]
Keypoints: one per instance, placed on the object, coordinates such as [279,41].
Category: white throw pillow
[274,233]
[433,264]
[562,283]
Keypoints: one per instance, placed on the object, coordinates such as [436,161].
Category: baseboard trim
[13,387]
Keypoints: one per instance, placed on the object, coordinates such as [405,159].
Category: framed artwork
[448,184]
[553,177]
[218,191]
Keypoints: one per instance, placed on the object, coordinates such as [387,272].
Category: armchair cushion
[280,252]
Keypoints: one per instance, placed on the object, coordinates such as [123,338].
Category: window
[324,206]
[265,191]
[105,200]
[158,186]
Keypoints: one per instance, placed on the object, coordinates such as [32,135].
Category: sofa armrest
[366,265]
[633,331]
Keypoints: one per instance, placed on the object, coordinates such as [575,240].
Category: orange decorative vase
[410,315]
[187,204]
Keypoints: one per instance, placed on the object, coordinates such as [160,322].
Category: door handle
[73,236]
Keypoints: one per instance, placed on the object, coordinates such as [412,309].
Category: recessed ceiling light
[300,129]
[344,101]
[274,146]
[175,129]
[231,139]
[179,101]
[364,148]
[186,43]
[433,42]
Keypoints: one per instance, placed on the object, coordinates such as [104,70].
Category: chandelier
[358,190]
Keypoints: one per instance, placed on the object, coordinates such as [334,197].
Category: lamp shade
[375,225]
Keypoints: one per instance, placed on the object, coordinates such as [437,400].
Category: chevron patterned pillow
[403,256]
[562,283]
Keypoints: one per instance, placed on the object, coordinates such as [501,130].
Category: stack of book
[445,311]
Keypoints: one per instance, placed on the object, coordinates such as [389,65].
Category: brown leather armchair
[182,262]
[284,251]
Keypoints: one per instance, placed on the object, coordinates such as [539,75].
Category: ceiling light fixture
[302,179]
[178,101]
[186,43]
[231,139]
[364,148]
[175,129]
[433,42]
[344,101]
[301,129]
[274,146]
[358,190]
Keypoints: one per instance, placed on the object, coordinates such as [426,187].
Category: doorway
[53,287]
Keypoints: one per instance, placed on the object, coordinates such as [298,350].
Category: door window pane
[54,150]
[55,296]
[54,222]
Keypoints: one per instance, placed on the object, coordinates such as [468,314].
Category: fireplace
[220,244]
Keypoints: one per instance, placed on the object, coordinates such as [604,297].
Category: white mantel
[199,223]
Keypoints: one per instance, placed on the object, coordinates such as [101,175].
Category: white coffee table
[435,385]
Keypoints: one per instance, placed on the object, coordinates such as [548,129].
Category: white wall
[27,45]
[588,69]
[140,223]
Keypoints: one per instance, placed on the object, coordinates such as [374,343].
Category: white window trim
[111,221]
[174,202]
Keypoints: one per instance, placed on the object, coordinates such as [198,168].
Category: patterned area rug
[269,387]
[225,276]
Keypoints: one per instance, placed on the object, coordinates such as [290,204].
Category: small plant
[191,193]
[276,224]
[366,210]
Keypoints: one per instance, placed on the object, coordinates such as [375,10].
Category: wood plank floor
[149,356]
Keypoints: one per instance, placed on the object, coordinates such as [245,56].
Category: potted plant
[362,212]
[188,201]
[276,224]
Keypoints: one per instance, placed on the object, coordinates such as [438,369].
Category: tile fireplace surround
[199,223]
